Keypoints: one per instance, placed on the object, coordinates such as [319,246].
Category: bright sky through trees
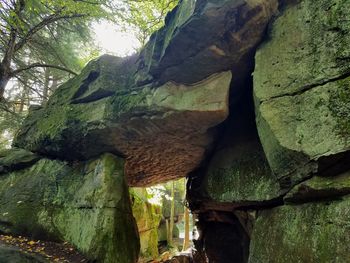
[113,41]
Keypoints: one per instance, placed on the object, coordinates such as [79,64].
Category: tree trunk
[54,86]
[4,79]
[23,99]
[46,86]
[24,95]
[186,242]
[172,212]
[167,230]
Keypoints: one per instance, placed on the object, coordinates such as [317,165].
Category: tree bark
[172,214]
[46,86]
[4,79]
[186,243]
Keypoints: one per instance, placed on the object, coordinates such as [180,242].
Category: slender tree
[186,241]
[172,215]
[22,21]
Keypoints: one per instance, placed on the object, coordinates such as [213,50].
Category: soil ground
[46,250]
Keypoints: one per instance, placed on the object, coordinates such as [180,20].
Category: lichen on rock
[85,204]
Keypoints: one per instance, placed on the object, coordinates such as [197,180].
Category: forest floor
[46,250]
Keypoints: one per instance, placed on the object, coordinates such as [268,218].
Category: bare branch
[40,65]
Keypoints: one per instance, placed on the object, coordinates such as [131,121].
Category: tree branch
[40,65]
[46,21]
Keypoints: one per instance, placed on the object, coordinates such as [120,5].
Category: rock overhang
[156,110]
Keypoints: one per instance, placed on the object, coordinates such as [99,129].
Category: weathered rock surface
[301,86]
[155,109]
[84,204]
[238,173]
[312,232]
[147,218]
[205,37]
[302,96]
[15,159]
[160,109]
[162,132]
[320,188]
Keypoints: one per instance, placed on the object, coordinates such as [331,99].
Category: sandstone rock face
[147,218]
[301,87]
[313,232]
[204,37]
[302,98]
[162,132]
[155,109]
[238,173]
[84,204]
[301,92]
[274,177]
[319,188]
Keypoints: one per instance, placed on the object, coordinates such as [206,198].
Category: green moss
[86,204]
[240,175]
[124,102]
[320,188]
[313,233]
[147,217]
[75,109]
[15,158]
[340,107]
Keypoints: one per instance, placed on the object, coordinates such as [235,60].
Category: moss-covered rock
[85,204]
[312,233]
[171,94]
[101,110]
[15,159]
[205,37]
[301,88]
[65,125]
[320,188]
[238,172]
[147,217]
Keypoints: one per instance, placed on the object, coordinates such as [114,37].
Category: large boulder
[147,218]
[15,159]
[238,173]
[204,37]
[302,90]
[156,109]
[312,232]
[162,132]
[86,204]
[320,188]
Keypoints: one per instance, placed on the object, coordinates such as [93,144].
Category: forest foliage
[43,43]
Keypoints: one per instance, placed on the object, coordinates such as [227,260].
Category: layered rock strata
[301,96]
[276,170]
[155,109]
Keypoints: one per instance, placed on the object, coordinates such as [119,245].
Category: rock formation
[85,204]
[137,107]
[291,198]
[248,98]
[147,217]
